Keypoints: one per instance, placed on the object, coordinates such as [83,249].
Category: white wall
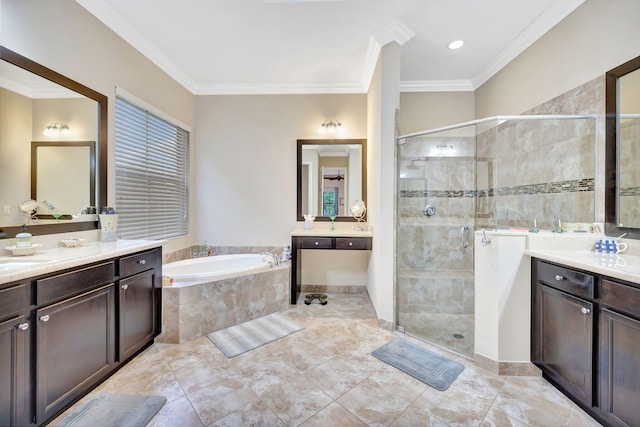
[383,100]
[246,161]
[63,36]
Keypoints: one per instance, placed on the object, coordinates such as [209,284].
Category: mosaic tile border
[630,191]
[572,186]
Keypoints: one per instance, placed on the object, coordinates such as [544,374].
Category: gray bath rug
[419,362]
[114,410]
[246,336]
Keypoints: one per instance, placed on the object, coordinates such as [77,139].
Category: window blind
[152,174]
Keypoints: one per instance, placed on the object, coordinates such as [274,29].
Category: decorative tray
[30,250]
[71,242]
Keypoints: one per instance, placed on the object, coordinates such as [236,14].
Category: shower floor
[438,306]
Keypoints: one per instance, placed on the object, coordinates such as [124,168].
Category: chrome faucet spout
[271,258]
[485,239]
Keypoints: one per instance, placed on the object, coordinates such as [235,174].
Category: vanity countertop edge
[59,258]
[321,231]
[617,266]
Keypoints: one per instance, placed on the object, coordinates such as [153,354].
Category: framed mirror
[32,97]
[331,176]
[622,134]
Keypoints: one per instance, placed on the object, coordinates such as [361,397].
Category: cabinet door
[75,341]
[620,368]
[562,345]
[137,313]
[14,371]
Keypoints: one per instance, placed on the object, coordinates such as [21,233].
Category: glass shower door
[434,240]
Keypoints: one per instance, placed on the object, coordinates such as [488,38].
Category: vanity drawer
[316,243]
[566,279]
[13,300]
[64,285]
[621,297]
[354,243]
[138,263]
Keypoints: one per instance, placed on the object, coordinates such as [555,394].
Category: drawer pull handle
[124,287]
[44,318]
[142,262]
[350,243]
[317,243]
[585,310]
[559,277]
[23,326]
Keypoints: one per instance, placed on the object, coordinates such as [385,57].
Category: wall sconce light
[56,129]
[330,126]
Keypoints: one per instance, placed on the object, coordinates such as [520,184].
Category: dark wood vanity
[586,339]
[63,333]
[320,241]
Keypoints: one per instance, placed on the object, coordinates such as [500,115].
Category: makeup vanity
[342,239]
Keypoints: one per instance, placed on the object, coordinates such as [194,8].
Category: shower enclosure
[496,173]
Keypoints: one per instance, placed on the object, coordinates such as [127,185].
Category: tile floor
[324,375]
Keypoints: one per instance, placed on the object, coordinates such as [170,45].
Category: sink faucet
[271,258]
[559,227]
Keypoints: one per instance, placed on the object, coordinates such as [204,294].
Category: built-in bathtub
[213,293]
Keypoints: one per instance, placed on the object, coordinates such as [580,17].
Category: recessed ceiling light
[456,44]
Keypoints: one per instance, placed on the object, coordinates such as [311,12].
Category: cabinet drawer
[63,285]
[317,243]
[351,243]
[622,297]
[566,279]
[138,263]
[13,300]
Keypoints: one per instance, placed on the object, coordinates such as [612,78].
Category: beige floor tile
[334,415]
[218,400]
[176,413]
[296,401]
[325,375]
[254,414]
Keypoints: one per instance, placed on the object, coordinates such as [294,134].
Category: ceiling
[327,46]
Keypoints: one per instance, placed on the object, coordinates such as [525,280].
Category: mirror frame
[102,100]
[301,143]
[612,149]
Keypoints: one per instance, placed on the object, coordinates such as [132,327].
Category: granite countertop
[620,266]
[49,260]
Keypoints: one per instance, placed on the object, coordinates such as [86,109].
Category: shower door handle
[464,236]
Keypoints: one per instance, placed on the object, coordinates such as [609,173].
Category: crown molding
[558,11]
[436,86]
[279,89]
[396,31]
[105,13]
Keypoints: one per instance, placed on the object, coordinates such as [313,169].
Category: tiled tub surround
[195,310]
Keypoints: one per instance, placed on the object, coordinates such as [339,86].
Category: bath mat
[114,410]
[246,336]
[423,364]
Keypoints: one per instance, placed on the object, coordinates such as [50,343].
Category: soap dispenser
[23,238]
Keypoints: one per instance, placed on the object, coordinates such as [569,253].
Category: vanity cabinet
[563,327]
[63,333]
[139,301]
[75,340]
[15,401]
[586,339]
[620,353]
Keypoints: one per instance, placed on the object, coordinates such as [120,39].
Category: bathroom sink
[14,264]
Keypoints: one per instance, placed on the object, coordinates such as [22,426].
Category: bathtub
[213,293]
[190,271]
